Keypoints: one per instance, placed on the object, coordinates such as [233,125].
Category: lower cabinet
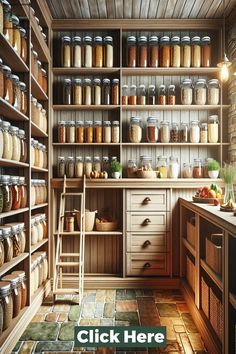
[146,264]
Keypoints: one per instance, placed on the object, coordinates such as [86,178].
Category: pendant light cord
[223,40]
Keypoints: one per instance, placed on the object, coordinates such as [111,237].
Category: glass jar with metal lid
[22,284]
[88,166]
[173,167]
[97,92]
[24,45]
[7,141]
[115,91]
[98,52]
[77,53]
[35,68]
[162,95]
[34,110]
[45,81]
[33,265]
[39,228]
[34,231]
[7,193]
[16,34]
[108,52]
[185,52]
[88,52]
[70,167]
[87,92]
[105,163]
[61,166]
[35,274]
[41,155]
[1,139]
[106,131]
[1,249]
[141,95]
[44,121]
[32,193]
[7,22]
[175,51]
[61,131]
[36,153]
[164,132]
[67,99]
[196,51]
[142,51]
[1,79]
[125,94]
[38,256]
[77,91]
[115,132]
[187,170]
[133,95]
[23,191]
[32,154]
[6,301]
[1,19]
[8,85]
[132,169]
[152,130]
[40,74]
[131,51]
[88,131]
[16,146]
[8,243]
[97,167]
[97,131]
[79,167]
[44,223]
[200,92]
[194,132]
[165,51]
[151,94]
[213,92]
[45,265]
[197,168]
[15,235]
[162,166]
[206,51]
[174,133]
[153,51]
[145,163]
[16,196]
[79,131]
[213,129]
[39,120]
[106,91]
[66,51]
[22,236]
[186,92]
[203,133]
[24,104]
[135,130]
[23,146]
[70,131]
[1,197]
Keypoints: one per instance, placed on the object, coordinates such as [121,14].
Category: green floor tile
[131,317]
[41,331]
[54,346]
[17,347]
[120,294]
[130,294]
[167,310]
[67,331]
[74,312]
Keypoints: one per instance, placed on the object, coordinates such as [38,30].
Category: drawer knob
[147,243]
[147,221]
[146,200]
[147,265]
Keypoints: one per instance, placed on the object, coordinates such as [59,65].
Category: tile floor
[52,328]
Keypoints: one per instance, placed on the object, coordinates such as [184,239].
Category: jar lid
[113,158]
[76,39]
[15,78]
[36,19]
[144,157]
[108,39]
[106,122]
[62,122]
[196,39]
[15,228]
[44,71]
[195,122]
[174,124]
[186,81]
[213,81]
[32,221]
[20,274]
[151,86]
[39,62]
[115,81]
[15,20]
[96,158]
[200,82]
[21,180]
[165,39]
[97,122]
[79,158]
[135,119]
[185,39]
[71,122]
[22,86]
[6,68]
[97,81]
[6,231]
[14,130]
[131,39]
[61,158]
[77,81]
[98,39]
[133,86]
[162,87]
[213,118]
[171,87]
[22,32]
[79,123]
[87,81]
[161,157]
[197,159]
[5,179]
[34,100]
[106,81]
[164,122]
[175,39]
[152,120]
[142,39]
[115,122]
[35,53]
[87,39]
[21,226]
[125,86]
[173,158]
[184,124]
[204,125]
[67,81]
[14,180]
[88,158]
[206,39]
[70,158]
[153,39]
[89,122]
[6,6]
[5,287]
[66,39]
[21,133]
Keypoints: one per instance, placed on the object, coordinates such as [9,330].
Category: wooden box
[216,314]
[191,231]
[214,252]
[190,273]
[205,297]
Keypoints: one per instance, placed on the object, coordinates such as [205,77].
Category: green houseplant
[213,168]
[116,169]
[228,175]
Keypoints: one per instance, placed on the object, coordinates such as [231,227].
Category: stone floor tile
[76,299]
[109,310]
[61,308]
[27,347]
[41,331]
[177,321]
[120,294]
[121,323]
[105,350]
[130,294]
[167,310]
[131,317]
[182,307]
[171,296]
[45,309]
[186,343]
[148,292]
[179,329]
[107,322]
[110,295]
[51,317]
[99,308]
[74,312]
[139,292]
[189,323]
[126,306]
[84,322]
[148,312]
[100,295]
[170,348]
[89,298]
[196,341]
[17,347]
[67,331]
[62,316]
[94,322]
[57,346]
[39,317]
[88,310]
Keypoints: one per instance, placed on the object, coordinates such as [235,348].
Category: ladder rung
[65,291]
[71,194]
[70,255]
[68,264]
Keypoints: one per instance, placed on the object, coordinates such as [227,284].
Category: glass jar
[23,192]
[97,131]
[135,130]
[151,94]
[185,52]
[1,79]
[88,53]
[36,153]
[6,303]
[107,131]
[213,129]
[206,51]
[164,133]
[77,57]
[7,22]
[16,34]
[162,166]
[141,95]
[39,228]
[173,167]
[61,166]
[187,170]
[165,51]
[152,130]
[32,277]
[131,51]
[105,164]
[145,163]
[44,223]
[32,193]
[24,45]
[115,91]
[79,131]
[1,197]
[70,167]
[45,81]
[15,239]
[175,51]
[61,131]
[142,51]
[108,52]
[16,92]
[66,52]
[22,284]
[41,155]
[132,169]
[1,31]
[171,95]
[32,153]
[88,166]
[44,121]
[133,95]
[8,85]
[70,131]
[77,91]
[87,92]
[45,156]
[200,92]
[213,92]
[22,237]
[97,92]
[7,141]
[196,52]
[8,243]
[174,133]
[1,139]
[45,265]
[153,52]
[97,164]
[106,95]
[197,168]
[7,193]
[162,95]
[186,92]
[23,146]
[184,133]
[79,167]
[194,132]
[98,52]
[34,111]
[16,195]
[203,133]
[23,100]
[125,94]
[115,132]
[16,145]
[35,67]
[88,131]
[1,249]
[67,92]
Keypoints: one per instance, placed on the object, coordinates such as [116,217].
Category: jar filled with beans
[174,133]
[153,52]
[16,192]
[142,52]
[131,51]
[61,131]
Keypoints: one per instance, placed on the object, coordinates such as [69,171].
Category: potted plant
[116,169]
[213,168]
[228,175]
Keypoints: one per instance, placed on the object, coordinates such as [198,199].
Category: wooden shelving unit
[10,112]
[37,132]
[12,163]
[9,55]
[38,245]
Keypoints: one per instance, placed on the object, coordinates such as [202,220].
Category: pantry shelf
[85,71]
[43,205]
[232,299]
[37,132]
[39,169]
[9,265]
[104,233]
[12,163]
[217,280]
[189,247]
[169,71]
[63,107]
[84,144]
[11,113]
[13,212]
[172,144]
[176,107]
[38,245]
[36,90]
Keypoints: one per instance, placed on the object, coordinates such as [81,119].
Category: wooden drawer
[147,200]
[136,242]
[147,264]
[147,222]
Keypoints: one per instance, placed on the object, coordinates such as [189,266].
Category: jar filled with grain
[77,91]
[97,131]
[79,167]
[79,131]
[162,95]
[1,197]
[6,303]
[106,91]
[44,223]
[106,131]
[187,170]
[97,167]
[213,129]
[98,52]
[70,167]
[132,169]
[88,52]
[8,85]
[44,120]
[88,166]
[6,193]
[70,131]
[66,52]
[115,91]
[142,52]
[203,133]
[97,92]
[173,167]
[174,133]
[32,193]
[15,235]
[67,94]
[125,94]
[8,244]
[77,56]
[141,95]
[196,51]
[194,132]
[87,92]
[7,22]
[16,34]
[61,166]
[24,45]
[185,52]
[164,133]
[88,131]
[153,52]
[206,51]
[39,227]
[16,92]
[16,196]
[108,52]
[175,52]
[115,132]
[213,92]
[61,132]
[197,168]
[16,145]
[34,110]
[45,81]
[131,51]
[1,249]
[22,284]
[1,79]
[23,100]
[165,51]
[184,133]
[135,130]
[45,265]
[186,92]
[7,141]
[36,153]
[41,155]
[171,95]
[151,94]
[39,115]
[162,166]
[152,130]
[23,191]
[133,95]
[200,91]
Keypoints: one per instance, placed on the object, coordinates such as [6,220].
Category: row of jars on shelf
[38,191]
[38,71]
[12,89]
[168,52]
[38,23]
[91,92]
[12,142]
[200,93]
[12,241]
[166,132]
[13,193]
[87,52]
[89,131]
[38,157]
[39,270]
[39,115]
[13,297]
[38,228]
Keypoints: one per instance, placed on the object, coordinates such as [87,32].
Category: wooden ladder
[60,261]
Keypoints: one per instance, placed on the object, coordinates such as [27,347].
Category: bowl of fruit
[209,194]
[106,224]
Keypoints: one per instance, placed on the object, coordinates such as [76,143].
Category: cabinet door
[147,264]
[136,242]
[147,200]
[147,222]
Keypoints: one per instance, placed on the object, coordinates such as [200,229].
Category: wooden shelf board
[38,245]
[37,132]
[216,279]
[10,57]
[189,246]
[13,212]
[9,265]
[169,71]
[12,163]
[39,169]
[11,113]
[104,233]
[41,290]
[85,71]
[177,107]
[86,144]
[171,144]
[232,299]
[38,42]
[74,107]
[37,90]
[39,206]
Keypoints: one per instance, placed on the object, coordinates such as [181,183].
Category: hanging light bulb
[224,68]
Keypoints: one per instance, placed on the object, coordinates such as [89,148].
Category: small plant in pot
[213,168]
[116,169]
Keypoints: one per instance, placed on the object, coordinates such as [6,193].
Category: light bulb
[224,72]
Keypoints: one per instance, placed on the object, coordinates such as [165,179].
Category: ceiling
[93,9]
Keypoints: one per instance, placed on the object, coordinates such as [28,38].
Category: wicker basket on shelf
[205,297]
[191,231]
[214,252]
[216,314]
[106,226]
[190,275]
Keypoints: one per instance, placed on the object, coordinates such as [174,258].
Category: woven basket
[191,232]
[106,226]
[89,219]
[205,298]
[190,273]
[214,252]
[216,314]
